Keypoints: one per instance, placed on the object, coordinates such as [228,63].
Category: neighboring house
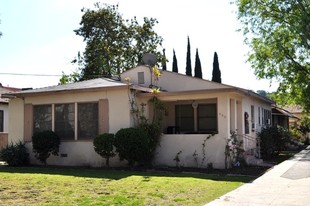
[297,111]
[194,108]
[4,115]
[282,117]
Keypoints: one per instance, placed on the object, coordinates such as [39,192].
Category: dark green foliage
[132,144]
[273,140]
[278,34]
[164,60]
[216,73]
[175,63]
[44,144]
[188,59]
[103,145]
[153,133]
[15,154]
[198,72]
[114,44]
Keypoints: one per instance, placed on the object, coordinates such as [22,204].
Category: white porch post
[233,115]
[224,115]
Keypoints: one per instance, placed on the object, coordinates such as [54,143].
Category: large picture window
[64,121]
[42,118]
[184,117]
[200,119]
[87,120]
[73,121]
[207,121]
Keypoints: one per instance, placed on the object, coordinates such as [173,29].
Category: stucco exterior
[235,108]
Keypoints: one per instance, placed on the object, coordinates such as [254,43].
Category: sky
[38,42]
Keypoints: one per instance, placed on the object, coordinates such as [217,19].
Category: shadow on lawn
[116,174]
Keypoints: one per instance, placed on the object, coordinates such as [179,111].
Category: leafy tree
[114,44]
[198,72]
[174,63]
[216,72]
[278,33]
[164,61]
[188,59]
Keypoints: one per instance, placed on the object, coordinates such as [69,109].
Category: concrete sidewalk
[286,184]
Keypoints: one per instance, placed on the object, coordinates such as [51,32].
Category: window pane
[1,120]
[42,118]
[64,121]
[184,118]
[207,118]
[87,120]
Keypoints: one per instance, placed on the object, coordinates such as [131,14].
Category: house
[282,117]
[195,108]
[4,115]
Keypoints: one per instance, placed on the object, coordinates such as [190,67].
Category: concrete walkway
[286,184]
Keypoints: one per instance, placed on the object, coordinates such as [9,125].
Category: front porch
[196,128]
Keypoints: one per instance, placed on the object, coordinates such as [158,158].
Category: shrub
[273,140]
[44,144]
[153,133]
[103,145]
[15,154]
[132,144]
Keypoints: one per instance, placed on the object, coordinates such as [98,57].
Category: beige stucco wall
[188,144]
[79,153]
[171,81]
[119,115]
[16,120]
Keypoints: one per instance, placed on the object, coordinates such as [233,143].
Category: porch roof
[87,85]
[217,90]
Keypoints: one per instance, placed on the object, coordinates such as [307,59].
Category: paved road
[286,184]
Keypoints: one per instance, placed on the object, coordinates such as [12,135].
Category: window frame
[1,120]
[197,118]
[74,121]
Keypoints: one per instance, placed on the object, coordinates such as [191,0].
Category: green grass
[67,186]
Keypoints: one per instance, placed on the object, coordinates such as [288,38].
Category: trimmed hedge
[103,145]
[132,144]
[44,144]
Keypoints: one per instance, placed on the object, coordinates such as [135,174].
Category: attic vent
[140,77]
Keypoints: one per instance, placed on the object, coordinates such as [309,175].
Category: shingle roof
[83,85]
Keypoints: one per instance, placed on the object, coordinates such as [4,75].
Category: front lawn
[67,186]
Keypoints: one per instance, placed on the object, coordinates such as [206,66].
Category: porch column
[233,115]
[224,115]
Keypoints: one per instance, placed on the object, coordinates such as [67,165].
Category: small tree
[44,144]
[188,59]
[103,145]
[216,73]
[174,63]
[198,72]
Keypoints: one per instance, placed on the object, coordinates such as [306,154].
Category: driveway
[286,184]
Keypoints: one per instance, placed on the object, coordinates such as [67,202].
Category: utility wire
[42,75]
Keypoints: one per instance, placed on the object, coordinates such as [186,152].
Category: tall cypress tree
[216,73]
[198,72]
[174,63]
[188,59]
[164,60]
